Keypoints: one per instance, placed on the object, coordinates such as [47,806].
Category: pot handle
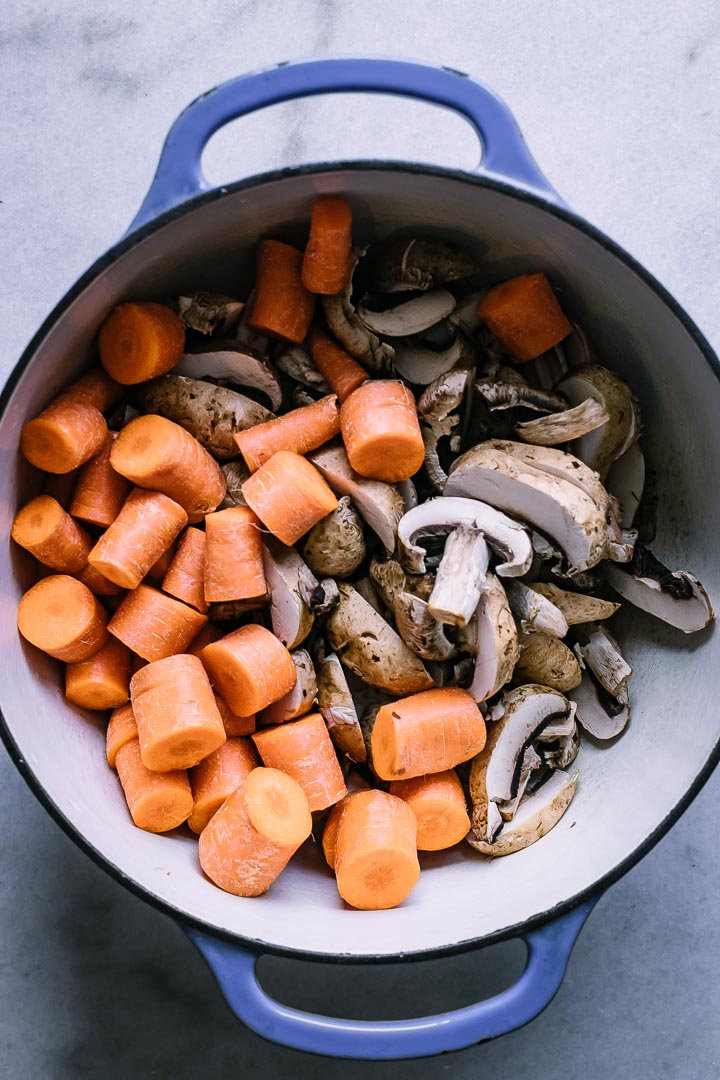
[548,948]
[179,175]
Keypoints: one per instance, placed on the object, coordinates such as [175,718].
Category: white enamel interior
[625,791]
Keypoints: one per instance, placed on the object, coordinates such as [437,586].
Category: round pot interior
[627,791]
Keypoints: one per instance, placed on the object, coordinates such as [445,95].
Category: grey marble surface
[620,105]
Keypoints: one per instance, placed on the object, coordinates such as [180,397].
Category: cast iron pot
[629,795]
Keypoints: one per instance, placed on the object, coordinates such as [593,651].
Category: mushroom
[510,390]
[380,504]
[546,660]
[576,607]
[438,517]
[320,596]
[300,699]
[578,349]
[558,463]
[599,448]
[536,815]
[598,649]
[337,706]
[297,363]
[466,315]
[390,579]
[300,397]
[246,334]
[626,481]
[550,366]
[421,364]
[369,646]
[420,629]
[336,545]
[291,617]
[559,743]
[444,395]
[421,263]
[431,435]
[561,427]
[236,473]
[492,638]
[232,362]
[231,610]
[408,493]
[676,597]
[531,761]
[408,315]
[365,586]
[208,312]
[461,577]
[598,712]
[345,325]
[535,611]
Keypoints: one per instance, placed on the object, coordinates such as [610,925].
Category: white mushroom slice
[420,630]
[466,315]
[365,586]
[461,576]
[546,660]
[390,579]
[337,706]
[236,473]
[558,751]
[422,365]
[558,463]
[320,596]
[550,367]
[438,517]
[561,427]
[209,312]
[576,607]
[369,646]
[408,493]
[676,597]
[421,263]
[408,316]
[297,363]
[492,637]
[626,481]
[351,332]
[599,448]
[443,396]
[233,362]
[600,714]
[621,547]
[530,762]
[431,435]
[536,815]
[292,620]
[336,545]
[380,504]
[510,391]
[601,653]
[300,699]
[578,348]
[245,334]
[534,611]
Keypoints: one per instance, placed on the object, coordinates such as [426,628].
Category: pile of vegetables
[343,557]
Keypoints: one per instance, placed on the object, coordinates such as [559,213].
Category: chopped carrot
[282,306]
[121,729]
[140,341]
[249,668]
[332,823]
[159,569]
[234,725]
[303,749]
[438,802]
[100,491]
[215,778]
[252,837]
[289,496]
[97,583]
[376,863]
[62,617]
[327,262]
[206,636]
[233,567]
[65,435]
[335,365]
[185,574]
[158,802]
[154,625]
[299,430]
[103,681]
[427,732]
[145,528]
[177,719]
[381,431]
[44,529]
[523,313]
[96,388]
[158,454]
[61,487]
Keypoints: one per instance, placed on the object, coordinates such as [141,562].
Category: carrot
[289,496]
[103,681]
[154,625]
[255,833]
[523,313]
[96,388]
[381,432]
[97,583]
[159,569]
[62,617]
[329,836]
[121,729]
[208,634]
[327,260]
[299,430]
[426,733]
[234,725]
[215,778]
[376,863]
[100,491]
[303,749]
[139,341]
[157,802]
[177,719]
[185,574]
[158,454]
[282,306]
[233,567]
[145,528]
[61,487]
[438,802]
[335,365]
[44,529]
[65,435]
[249,668]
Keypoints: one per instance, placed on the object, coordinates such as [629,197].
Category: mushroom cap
[336,703]
[599,714]
[492,635]
[421,263]
[600,447]
[336,545]
[692,613]
[234,362]
[406,316]
[292,619]
[536,815]
[380,504]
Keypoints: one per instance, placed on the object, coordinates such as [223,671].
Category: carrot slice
[438,802]
[44,529]
[65,435]
[209,633]
[97,583]
[159,569]
[233,567]
[523,313]
[158,802]
[255,833]
[332,823]
[140,341]
[282,306]
[303,749]
[299,430]
[376,863]
[144,529]
[62,617]
[234,725]
[103,681]
[217,777]
[289,496]
[95,387]
[154,625]
[100,491]
[335,365]
[186,573]
[121,729]
[327,260]
[426,733]
[381,431]
[249,668]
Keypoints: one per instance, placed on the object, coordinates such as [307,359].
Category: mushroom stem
[461,576]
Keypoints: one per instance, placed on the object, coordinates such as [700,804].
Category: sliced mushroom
[676,597]
[336,545]
[466,315]
[546,660]
[578,348]
[297,363]
[380,504]
[420,364]
[531,761]
[300,397]
[232,362]
[534,611]
[626,481]
[236,473]
[599,448]
[337,706]
[561,427]
[599,651]
[246,334]
[365,586]
[390,579]
[431,435]
[550,367]
[492,637]
[602,715]
[510,390]
[559,744]
[420,629]
[208,312]
[408,493]
[231,610]
[553,462]
[320,596]
[351,332]
[461,577]
[400,315]
[576,607]
[300,699]
[292,620]
[536,815]
[444,395]
[421,263]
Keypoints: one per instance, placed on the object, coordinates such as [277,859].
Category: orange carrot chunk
[103,681]
[65,435]
[335,365]
[255,833]
[177,719]
[100,491]
[329,836]
[426,733]
[97,583]
[121,729]
[209,633]
[327,260]
[44,529]
[185,574]
[159,569]
[145,528]
[376,863]
[154,625]
[250,669]
[62,617]
[234,725]
[158,802]
[282,306]
[158,454]
[215,778]
[438,802]
[289,496]
[303,749]
[299,430]
[140,341]
[523,313]
[233,568]
[96,388]
[381,431]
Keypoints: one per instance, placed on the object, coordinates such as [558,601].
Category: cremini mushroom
[421,263]
[536,815]
[421,364]
[291,617]
[535,611]
[208,312]
[599,448]
[531,761]
[248,336]
[380,504]
[236,473]
[492,637]
[675,596]
[297,363]
[420,629]
[599,713]
[559,463]
[390,579]
[547,660]
[509,390]
[444,395]
[558,744]
[461,577]
[336,703]
[336,545]
[301,698]
[408,493]
[345,325]
[598,650]
[562,427]
[365,586]
[232,362]
[400,315]
[550,366]
[576,607]
[626,482]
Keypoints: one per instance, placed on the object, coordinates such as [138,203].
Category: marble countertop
[620,107]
